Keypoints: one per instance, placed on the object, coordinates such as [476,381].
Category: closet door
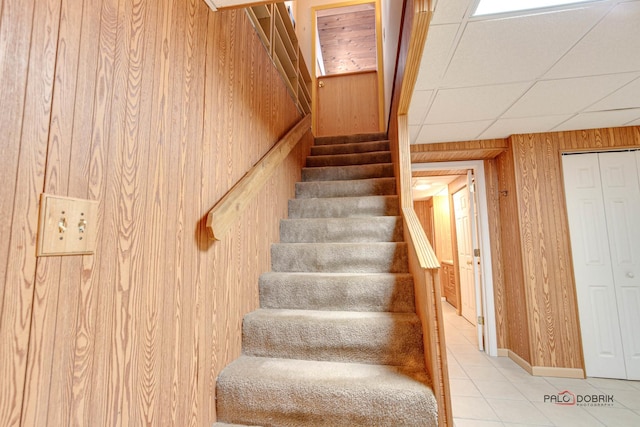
[597,302]
[621,194]
[603,203]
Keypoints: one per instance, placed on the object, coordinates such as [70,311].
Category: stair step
[338,173]
[381,257]
[339,336]
[349,159]
[279,392]
[341,230]
[350,188]
[348,139]
[349,148]
[344,207]
[337,291]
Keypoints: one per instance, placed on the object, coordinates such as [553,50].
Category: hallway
[491,392]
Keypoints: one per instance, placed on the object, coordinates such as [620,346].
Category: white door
[603,202]
[461,206]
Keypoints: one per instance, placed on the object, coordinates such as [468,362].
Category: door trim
[488,302]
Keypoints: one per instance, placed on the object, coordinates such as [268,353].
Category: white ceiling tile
[504,128]
[473,103]
[451,132]
[634,123]
[612,46]
[566,96]
[450,11]
[413,133]
[626,97]
[600,119]
[517,48]
[435,56]
[420,101]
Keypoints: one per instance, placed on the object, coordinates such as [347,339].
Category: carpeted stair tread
[349,188]
[340,336]
[348,139]
[338,291]
[300,393]
[378,257]
[337,341]
[344,207]
[339,173]
[349,159]
[313,230]
[349,148]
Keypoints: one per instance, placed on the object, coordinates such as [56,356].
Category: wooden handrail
[426,256]
[229,208]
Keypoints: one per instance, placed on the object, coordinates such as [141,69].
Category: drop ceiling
[566,68]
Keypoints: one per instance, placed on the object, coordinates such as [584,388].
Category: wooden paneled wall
[546,253]
[443,235]
[424,210]
[456,151]
[516,316]
[534,289]
[154,108]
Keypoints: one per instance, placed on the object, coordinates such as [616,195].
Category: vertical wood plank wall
[546,250]
[154,108]
[516,316]
[536,307]
[443,232]
[423,211]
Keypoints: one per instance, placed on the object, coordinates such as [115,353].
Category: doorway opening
[347,68]
[466,274]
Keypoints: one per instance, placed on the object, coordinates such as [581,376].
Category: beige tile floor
[494,391]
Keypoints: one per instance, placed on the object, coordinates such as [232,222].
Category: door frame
[380,66]
[486,282]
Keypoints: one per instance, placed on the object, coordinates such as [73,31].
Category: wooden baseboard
[520,362]
[546,371]
[542,371]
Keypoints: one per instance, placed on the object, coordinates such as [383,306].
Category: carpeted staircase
[336,341]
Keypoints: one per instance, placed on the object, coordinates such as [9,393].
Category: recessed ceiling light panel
[492,7]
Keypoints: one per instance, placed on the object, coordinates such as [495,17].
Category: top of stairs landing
[348,139]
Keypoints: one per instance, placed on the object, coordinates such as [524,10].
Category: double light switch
[68,226]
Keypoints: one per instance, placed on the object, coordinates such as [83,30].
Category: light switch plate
[68,226]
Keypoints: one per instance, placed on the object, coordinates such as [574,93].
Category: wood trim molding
[547,371]
[426,256]
[457,151]
[228,209]
[420,27]
[520,362]
[543,371]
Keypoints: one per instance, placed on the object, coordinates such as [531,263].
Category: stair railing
[423,263]
[228,209]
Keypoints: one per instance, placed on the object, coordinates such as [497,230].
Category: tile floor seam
[468,366]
